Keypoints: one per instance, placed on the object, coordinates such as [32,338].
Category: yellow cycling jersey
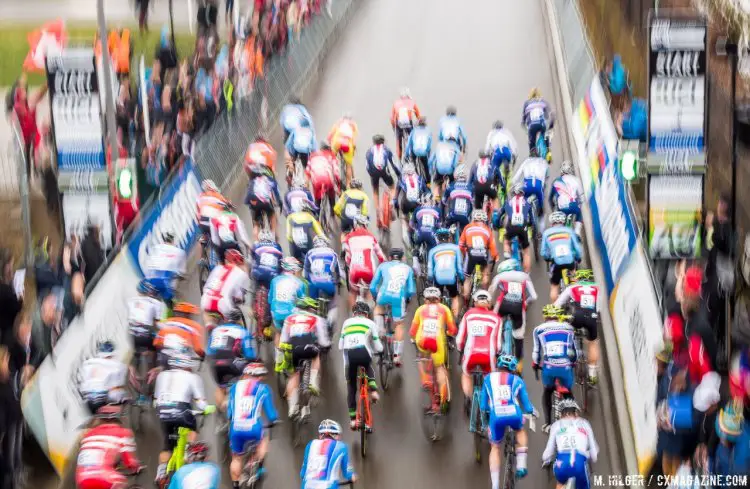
[352,202]
[299,223]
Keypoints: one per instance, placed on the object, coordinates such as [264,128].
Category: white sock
[521,458]
[495,477]
[279,356]
[314,378]
[592,370]
[293,403]
[397,347]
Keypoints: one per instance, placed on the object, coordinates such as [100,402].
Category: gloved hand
[210,409]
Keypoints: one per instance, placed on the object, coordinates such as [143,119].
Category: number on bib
[450,130]
[536,114]
[555,348]
[283,295]
[462,207]
[516,219]
[588,301]
[358,258]
[397,283]
[502,393]
[299,235]
[226,234]
[316,464]
[428,221]
[412,193]
[477,329]
[302,139]
[353,341]
[561,250]
[563,201]
[218,340]
[420,142]
[351,210]
[403,117]
[477,242]
[269,260]
[90,458]
[299,329]
[566,443]
[445,261]
[430,327]
[515,291]
[173,342]
[318,267]
[245,405]
[445,154]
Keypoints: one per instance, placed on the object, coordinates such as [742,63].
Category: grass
[14,47]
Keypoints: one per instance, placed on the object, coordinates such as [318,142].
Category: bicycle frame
[364,414]
[509,347]
[177,460]
[477,419]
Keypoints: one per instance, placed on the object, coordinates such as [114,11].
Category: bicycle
[533,229]
[303,416]
[476,282]
[204,264]
[263,331]
[561,392]
[140,387]
[477,419]
[541,144]
[384,223]
[363,417]
[323,306]
[434,405]
[177,460]
[509,454]
[385,360]
[326,218]
[252,475]
[509,346]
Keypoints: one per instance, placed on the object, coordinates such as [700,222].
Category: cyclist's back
[283,294]
[353,201]
[205,475]
[325,462]
[554,349]
[478,337]
[267,256]
[104,448]
[445,265]
[505,396]
[476,239]
[99,378]
[165,261]
[560,245]
[322,270]
[296,196]
[459,202]
[444,160]
[226,285]
[361,249]
[425,220]
[419,144]
[533,174]
[393,284]
[248,400]
[573,440]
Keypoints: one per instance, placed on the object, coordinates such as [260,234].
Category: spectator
[47,322]
[720,241]
[125,114]
[48,271]
[10,303]
[632,122]
[142,6]
[616,79]
[25,109]
[91,250]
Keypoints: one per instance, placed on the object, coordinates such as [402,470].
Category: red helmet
[234,257]
[692,282]
[197,451]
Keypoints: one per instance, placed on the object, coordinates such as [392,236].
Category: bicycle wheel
[203,274]
[475,425]
[384,365]
[363,416]
[509,474]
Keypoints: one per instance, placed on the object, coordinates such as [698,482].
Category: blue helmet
[147,288]
[304,122]
[105,349]
[508,362]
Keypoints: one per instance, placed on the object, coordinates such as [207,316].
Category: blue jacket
[301,140]
[267,256]
[504,395]
[426,218]
[419,143]
[296,196]
[322,266]
[292,115]
[445,264]
[397,280]
[248,399]
[445,158]
[450,127]
[224,337]
[263,189]
[554,345]
[560,245]
[535,110]
[379,159]
[414,189]
[205,475]
[483,172]
[283,294]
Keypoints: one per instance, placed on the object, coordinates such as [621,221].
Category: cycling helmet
[266,236]
[298,181]
[508,362]
[584,275]
[378,139]
[304,122]
[325,145]
[307,303]
[167,237]
[321,242]
[186,308]
[426,198]
[497,124]
[481,295]
[147,288]
[431,293]
[509,265]
[729,422]
[405,93]
[196,452]
[517,189]
[460,173]
[568,404]
[566,168]
[482,154]
[535,93]
[443,234]
[360,220]
[233,257]
[409,169]
[422,121]
[396,253]
[361,309]
[209,186]
[234,316]
[479,215]
[557,218]
[290,264]
[552,311]
[450,111]
[534,152]
[329,427]
[255,369]
[105,349]
[356,183]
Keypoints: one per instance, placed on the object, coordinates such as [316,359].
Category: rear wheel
[475,421]
[509,474]
[384,364]
[363,426]
[203,274]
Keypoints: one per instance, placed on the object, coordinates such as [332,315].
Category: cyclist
[393,285]
[410,187]
[565,195]
[210,204]
[323,174]
[458,201]
[144,312]
[196,472]
[424,221]
[299,145]
[533,174]
[501,146]
[516,292]
[555,354]
[177,389]
[560,247]
[301,228]
[359,246]
[180,332]
[419,147]
[572,438]
[485,179]
[404,114]
[165,264]
[266,256]
[505,398]
[379,162]
[285,291]
[478,246]
[479,340]
[432,321]
[249,397]
[228,231]
[226,287]
[262,197]
[443,163]
[260,153]
[359,340]
[445,267]
[298,194]
[323,273]
[303,335]
[292,114]
[450,129]
[343,140]
[230,349]
[98,463]
[103,378]
[516,216]
[327,459]
[352,202]
[733,432]
[537,118]
[583,296]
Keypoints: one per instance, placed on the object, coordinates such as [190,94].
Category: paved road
[484,60]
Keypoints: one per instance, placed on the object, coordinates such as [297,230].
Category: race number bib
[450,130]
[299,329]
[420,142]
[91,458]
[536,114]
[218,340]
[502,394]
[561,251]
[477,243]
[428,221]
[283,294]
[201,478]
[563,201]
[226,234]
[351,210]
[462,207]
[516,219]
[483,172]
[515,291]
[588,301]
[257,157]
[555,348]
[318,267]
[446,154]
[173,342]
[566,442]
[412,193]
[477,329]
[296,203]
[397,282]
[166,399]
[403,117]
[299,236]
[353,341]
[291,121]
[430,327]
[302,139]
[378,158]
[316,464]
[445,261]
[269,260]
[358,258]
[245,405]
[140,313]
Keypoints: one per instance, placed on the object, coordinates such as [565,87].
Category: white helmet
[459,173]
[431,293]
[209,186]
[479,215]
[557,218]
[329,427]
[481,295]
[566,168]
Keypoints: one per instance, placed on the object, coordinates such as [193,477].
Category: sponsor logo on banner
[174,212]
[675,215]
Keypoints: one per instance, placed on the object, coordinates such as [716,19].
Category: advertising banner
[82,209]
[674,215]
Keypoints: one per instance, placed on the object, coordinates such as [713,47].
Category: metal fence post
[23,191]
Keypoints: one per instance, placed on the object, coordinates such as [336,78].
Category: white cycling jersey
[517,277]
[532,169]
[568,190]
[100,375]
[360,332]
[165,258]
[228,228]
[500,138]
[179,388]
[571,436]
[145,311]
[224,285]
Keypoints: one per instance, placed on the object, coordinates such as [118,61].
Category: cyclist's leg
[496,433]
[455,299]
[555,278]
[438,360]
[468,274]
[486,270]
[169,430]
[523,242]
[292,384]
[522,443]
[350,370]
[375,182]
[398,311]
[548,382]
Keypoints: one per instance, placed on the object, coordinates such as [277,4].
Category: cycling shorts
[514,309]
[171,423]
[322,186]
[299,252]
[436,347]
[96,401]
[263,276]
[519,232]
[407,206]
[501,155]
[398,306]
[304,347]
[556,271]
[327,288]
[565,374]
[303,157]
[426,237]
[533,129]
[278,319]
[101,478]
[571,466]
[354,358]
[536,189]
[459,219]
[474,260]
[481,359]
[227,245]
[376,175]
[439,178]
[260,209]
[241,441]
[586,319]
[357,274]
[481,190]
[500,424]
[346,147]
[143,337]
[403,132]
[573,209]
[452,289]
[227,370]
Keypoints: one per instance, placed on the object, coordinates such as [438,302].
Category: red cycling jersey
[585,295]
[480,339]
[104,448]
[323,172]
[360,245]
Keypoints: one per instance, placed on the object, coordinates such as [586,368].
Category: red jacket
[104,448]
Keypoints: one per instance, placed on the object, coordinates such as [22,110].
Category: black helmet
[261,137]
[482,154]
[167,237]
[422,121]
[378,139]
[325,145]
[396,253]
[497,124]
[451,110]
[361,309]
[295,100]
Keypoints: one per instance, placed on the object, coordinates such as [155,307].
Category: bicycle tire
[383,364]
[363,424]
[509,474]
[475,422]
[203,273]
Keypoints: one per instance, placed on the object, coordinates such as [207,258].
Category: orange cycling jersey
[188,333]
[343,133]
[260,153]
[404,112]
[210,203]
[476,237]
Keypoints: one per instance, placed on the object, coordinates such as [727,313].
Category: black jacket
[10,306]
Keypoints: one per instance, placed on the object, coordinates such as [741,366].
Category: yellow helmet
[535,93]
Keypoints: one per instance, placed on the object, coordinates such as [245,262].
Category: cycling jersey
[480,339]
[230,347]
[404,113]
[305,327]
[424,221]
[361,248]
[450,128]
[210,204]
[429,327]
[165,262]
[301,141]
[227,230]
[143,313]
[175,392]
[360,332]
[445,265]
[263,193]
[734,459]
[342,138]
[260,154]
[459,202]
[103,449]
[477,242]
[483,177]
[535,111]
[444,160]
[301,228]
[292,115]
[505,397]
[501,145]
[326,462]
[516,291]
[322,271]
[176,333]
[283,294]
[518,214]
[323,173]
[555,352]
[103,381]
[379,159]
[393,285]
[205,475]
[351,203]
[560,246]
[266,256]
[248,400]
[533,173]
[419,144]
[565,195]
[225,287]
[296,196]
[585,300]
[573,440]
[409,188]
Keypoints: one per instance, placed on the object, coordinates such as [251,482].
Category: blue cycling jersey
[283,294]
[393,280]
[459,201]
[445,158]
[322,270]
[292,115]
[560,245]
[248,400]
[301,141]
[535,111]
[734,459]
[230,339]
[419,143]
[267,257]
[262,189]
[426,219]
[412,186]
[379,157]
[518,211]
[450,128]
[554,345]
[326,462]
[445,264]
[565,194]
[484,173]
[205,475]
[504,395]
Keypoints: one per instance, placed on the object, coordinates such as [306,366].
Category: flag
[48,39]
